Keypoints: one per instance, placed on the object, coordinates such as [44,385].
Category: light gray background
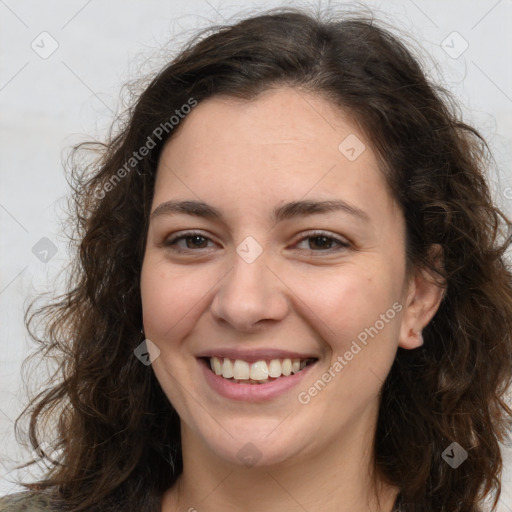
[47,104]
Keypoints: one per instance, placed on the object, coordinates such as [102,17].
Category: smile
[253,380]
[257,372]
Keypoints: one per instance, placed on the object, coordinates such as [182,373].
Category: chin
[255,442]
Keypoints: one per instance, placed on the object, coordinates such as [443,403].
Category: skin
[246,158]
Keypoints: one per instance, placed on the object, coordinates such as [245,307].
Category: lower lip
[253,392]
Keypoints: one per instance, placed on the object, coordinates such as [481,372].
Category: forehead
[285,144]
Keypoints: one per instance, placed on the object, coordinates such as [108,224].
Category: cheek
[345,304]
[171,298]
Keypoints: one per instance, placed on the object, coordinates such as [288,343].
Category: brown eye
[187,242]
[322,242]
[196,241]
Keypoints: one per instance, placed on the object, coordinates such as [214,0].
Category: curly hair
[120,436]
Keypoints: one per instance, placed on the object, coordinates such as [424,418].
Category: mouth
[258,372]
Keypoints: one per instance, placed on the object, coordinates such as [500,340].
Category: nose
[249,296]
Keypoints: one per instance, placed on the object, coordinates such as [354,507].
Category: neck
[338,479]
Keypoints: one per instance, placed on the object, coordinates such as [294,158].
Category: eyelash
[315,234]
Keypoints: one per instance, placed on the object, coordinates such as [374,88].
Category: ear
[423,297]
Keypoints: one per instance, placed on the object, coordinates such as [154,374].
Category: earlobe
[413,340]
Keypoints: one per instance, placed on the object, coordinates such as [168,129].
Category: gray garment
[26,501]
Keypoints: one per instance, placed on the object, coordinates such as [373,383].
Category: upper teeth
[259,370]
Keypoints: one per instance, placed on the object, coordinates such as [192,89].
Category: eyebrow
[284,212]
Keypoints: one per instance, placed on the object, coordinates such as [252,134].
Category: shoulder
[26,501]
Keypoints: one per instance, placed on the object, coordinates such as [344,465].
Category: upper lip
[253,355]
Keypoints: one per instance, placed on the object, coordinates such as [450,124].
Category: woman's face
[274,245]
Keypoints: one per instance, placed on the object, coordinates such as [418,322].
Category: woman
[290,291]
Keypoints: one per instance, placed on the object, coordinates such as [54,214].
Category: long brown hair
[118,433]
